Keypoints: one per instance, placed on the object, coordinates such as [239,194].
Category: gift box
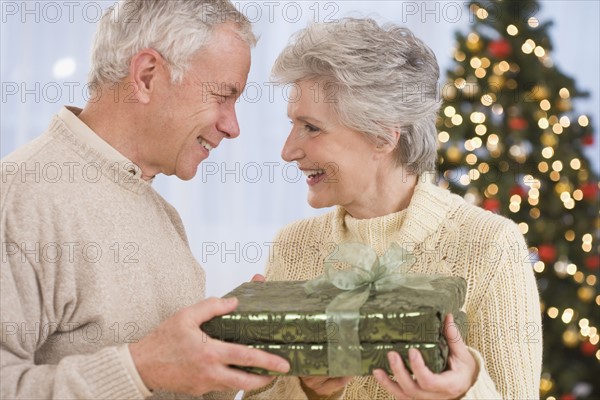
[330,327]
[312,359]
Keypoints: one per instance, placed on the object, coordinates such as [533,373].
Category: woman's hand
[450,384]
[320,387]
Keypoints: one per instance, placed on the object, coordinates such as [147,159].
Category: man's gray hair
[380,79]
[174,28]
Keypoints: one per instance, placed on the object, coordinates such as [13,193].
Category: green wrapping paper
[280,318]
[281,312]
[344,322]
[311,359]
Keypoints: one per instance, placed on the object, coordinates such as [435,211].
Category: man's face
[190,119]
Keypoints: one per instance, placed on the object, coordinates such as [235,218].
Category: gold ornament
[585,293]
[474,45]
[539,92]
[563,105]
[471,89]
[570,338]
[449,92]
[548,139]
[511,84]
[453,154]
[546,384]
[496,81]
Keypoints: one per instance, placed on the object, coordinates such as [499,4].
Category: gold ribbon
[367,273]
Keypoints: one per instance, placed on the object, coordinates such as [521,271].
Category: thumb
[455,341]
[212,307]
[258,278]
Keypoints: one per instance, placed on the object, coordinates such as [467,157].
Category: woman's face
[341,164]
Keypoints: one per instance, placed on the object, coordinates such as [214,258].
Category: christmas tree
[511,142]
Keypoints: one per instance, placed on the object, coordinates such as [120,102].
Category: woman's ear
[144,69]
[384,146]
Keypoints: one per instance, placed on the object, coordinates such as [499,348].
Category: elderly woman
[363,131]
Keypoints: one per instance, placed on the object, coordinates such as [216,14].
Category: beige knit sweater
[93,258]
[448,236]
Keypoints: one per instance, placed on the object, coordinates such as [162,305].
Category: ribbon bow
[368,272]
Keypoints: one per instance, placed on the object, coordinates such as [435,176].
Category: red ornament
[518,189]
[587,140]
[500,48]
[568,396]
[517,123]
[492,205]
[547,252]
[589,190]
[593,262]
[587,348]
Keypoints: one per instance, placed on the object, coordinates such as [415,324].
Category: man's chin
[186,174]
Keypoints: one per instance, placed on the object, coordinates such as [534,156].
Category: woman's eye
[308,128]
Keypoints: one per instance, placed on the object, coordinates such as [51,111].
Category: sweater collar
[423,216]
[97,152]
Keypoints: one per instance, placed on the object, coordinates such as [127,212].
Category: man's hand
[178,357]
[317,387]
[450,384]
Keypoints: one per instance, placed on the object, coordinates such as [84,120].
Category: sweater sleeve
[226,395]
[26,328]
[505,327]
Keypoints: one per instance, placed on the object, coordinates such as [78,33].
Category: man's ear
[144,69]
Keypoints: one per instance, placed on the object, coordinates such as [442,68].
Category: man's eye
[311,128]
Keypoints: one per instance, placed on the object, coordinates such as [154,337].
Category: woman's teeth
[205,144]
[313,172]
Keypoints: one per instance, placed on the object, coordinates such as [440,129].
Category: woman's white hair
[382,79]
[175,29]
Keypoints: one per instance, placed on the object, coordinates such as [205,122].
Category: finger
[258,278]
[236,354]
[211,307]
[389,385]
[237,379]
[449,384]
[425,379]
[456,344]
[403,377]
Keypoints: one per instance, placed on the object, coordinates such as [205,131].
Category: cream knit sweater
[93,258]
[448,236]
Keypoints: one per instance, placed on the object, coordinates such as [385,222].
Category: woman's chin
[318,202]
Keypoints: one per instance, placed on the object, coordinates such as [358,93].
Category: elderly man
[101,295]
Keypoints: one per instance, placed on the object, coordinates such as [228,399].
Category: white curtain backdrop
[244,192]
